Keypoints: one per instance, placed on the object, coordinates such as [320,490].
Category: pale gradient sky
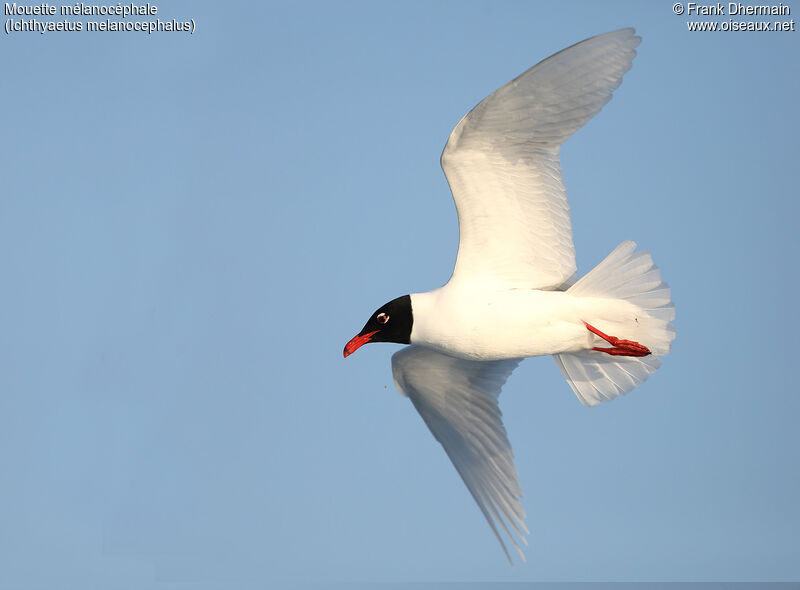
[191,228]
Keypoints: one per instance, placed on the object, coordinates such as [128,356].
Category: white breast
[492,325]
[481,324]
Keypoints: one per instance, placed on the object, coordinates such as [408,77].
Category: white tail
[596,376]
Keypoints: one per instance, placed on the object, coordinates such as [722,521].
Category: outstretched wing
[502,164]
[457,399]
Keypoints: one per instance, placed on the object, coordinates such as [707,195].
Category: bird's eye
[382,318]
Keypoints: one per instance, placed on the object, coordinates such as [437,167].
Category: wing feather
[502,164]
[457,399]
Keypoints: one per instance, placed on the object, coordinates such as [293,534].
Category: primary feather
[502,164]
[457,399]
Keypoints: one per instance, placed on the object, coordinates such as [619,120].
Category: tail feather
[596,379]
[631,276]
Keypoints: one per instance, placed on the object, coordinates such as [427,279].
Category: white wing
[501,162]
[457,399]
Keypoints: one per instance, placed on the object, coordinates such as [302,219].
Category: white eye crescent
[382,318]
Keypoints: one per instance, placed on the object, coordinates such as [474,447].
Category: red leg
[619,347]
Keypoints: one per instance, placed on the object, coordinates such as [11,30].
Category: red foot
[620,347]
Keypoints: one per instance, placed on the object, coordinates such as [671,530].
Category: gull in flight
[513,292]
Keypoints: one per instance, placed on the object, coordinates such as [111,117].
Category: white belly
[492,325]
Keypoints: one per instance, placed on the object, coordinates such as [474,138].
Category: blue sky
[192,227]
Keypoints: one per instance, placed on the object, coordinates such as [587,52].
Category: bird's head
[390,323]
